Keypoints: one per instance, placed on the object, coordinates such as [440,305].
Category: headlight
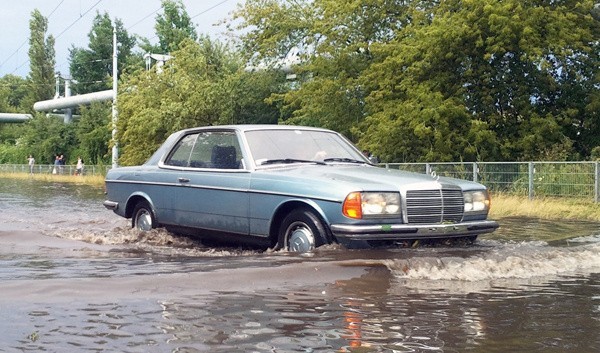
[371,204]
[476,201]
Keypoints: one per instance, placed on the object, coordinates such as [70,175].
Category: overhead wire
[157,10]
[66,29]
[55,8]
[128,28]
[83,63]
[77,20]
[85,13]
[144,18]
[25,41]
[210,8]
[198,14]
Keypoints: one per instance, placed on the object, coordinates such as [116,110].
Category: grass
[94,180]
[503,205]
[544,208]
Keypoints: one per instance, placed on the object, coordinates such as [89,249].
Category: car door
[211,184]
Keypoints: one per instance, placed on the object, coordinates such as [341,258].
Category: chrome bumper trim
[111,205]
[412,231]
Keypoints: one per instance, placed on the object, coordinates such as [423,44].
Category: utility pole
[68,112]
[115,147]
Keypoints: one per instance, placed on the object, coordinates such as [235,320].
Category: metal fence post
[475,170]
[596,182]
[531,172]
[427,169]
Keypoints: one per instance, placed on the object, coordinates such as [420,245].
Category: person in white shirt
[79,167]
[31,161]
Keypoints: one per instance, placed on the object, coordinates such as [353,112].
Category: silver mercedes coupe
[293,188]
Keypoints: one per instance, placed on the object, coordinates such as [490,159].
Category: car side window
[181,153]
[216,150]
[208,149]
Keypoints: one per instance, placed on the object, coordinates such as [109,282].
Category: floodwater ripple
[74,277]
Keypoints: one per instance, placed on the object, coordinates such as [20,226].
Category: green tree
[333,39]
[93,133]
[13,89]
[12,153]
[11,150]
[91,68]
[41,61]
[248,97]
[46,136]
[188,92]
[430,80]
[341,33]
[510,67]
[172,27]
[205,84]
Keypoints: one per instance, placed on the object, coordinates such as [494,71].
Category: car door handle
[183,180]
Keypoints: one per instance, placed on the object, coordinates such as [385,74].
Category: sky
[70,21]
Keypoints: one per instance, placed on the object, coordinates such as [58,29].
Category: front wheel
[302,231]
[143,217]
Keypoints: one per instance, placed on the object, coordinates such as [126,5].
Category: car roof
[255,127]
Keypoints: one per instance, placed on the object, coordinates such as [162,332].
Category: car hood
[338,180]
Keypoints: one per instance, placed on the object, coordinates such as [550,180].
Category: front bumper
[412,231]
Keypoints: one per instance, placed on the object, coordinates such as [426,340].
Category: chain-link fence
[54,169]
[531,179]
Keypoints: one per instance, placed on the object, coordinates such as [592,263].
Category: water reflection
[370,313]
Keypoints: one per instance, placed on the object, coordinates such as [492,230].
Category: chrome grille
[434,206]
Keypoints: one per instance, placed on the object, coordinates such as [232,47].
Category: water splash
[155,241]
[507,261]
[595,238]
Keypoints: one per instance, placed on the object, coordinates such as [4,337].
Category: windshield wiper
[288,161]
[344,160]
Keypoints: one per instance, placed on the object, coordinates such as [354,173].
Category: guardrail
[54,169]
[531,179]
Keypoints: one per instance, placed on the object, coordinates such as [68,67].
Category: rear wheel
[143,217]
[302,231]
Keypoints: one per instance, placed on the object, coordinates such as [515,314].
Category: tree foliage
[13,90]
[92,68]
[173,27]
[204,84]
[410,80]
[93,133]
[47,136]
[186,93]
[429,80]
[41,60]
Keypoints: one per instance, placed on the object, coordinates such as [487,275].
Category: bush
[12,154]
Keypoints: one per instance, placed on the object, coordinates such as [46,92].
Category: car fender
[133,200]
[287,205]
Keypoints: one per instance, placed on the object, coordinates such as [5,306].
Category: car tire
[302,231]
[143,218]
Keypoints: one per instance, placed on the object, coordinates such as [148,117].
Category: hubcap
[144,221]
[301,239]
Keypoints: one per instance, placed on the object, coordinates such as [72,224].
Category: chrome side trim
[111,205]
[412,231]
[209,187]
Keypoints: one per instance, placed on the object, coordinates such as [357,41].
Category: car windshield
[300,146]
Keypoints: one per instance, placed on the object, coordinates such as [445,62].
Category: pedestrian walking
[56,168]
[31,162]
[79,167]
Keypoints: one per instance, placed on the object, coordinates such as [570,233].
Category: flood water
[74,277]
